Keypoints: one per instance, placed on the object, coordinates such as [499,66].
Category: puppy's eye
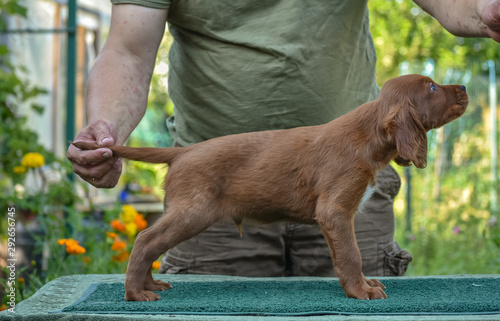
[433,87]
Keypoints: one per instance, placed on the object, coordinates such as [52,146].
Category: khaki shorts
[288,249]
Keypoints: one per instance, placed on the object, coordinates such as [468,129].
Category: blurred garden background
[446,215]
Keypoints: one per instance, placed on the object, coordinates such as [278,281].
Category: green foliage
[10,7]
[49,194]
[152,130]
[454,234]
[404,32]
[454,230]
[16,139]
[52,260]
[45,199]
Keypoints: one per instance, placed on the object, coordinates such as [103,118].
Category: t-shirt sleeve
[157,4]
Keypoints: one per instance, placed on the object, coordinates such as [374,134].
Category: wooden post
[71,72]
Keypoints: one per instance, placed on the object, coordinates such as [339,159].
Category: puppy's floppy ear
[404,128]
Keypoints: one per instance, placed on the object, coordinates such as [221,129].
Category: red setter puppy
[315,174]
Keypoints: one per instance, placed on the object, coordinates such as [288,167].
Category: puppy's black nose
[462,88]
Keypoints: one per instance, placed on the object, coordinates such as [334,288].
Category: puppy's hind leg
[171,229]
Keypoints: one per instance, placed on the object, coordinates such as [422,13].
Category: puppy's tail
[143,154]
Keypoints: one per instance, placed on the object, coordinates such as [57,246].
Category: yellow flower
[20,170]
[131,229]
[128,215]
[156,265]
[33,160]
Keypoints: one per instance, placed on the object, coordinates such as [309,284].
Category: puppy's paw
[375,283]
[377,293]
[157,285]
[366,293]
[141,295]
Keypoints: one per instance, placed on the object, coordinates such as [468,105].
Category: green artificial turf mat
[289,297]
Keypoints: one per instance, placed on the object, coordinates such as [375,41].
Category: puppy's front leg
[155,285]
[337,225]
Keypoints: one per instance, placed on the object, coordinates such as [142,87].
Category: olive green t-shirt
[249,65]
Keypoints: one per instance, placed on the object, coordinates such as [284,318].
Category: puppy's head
[416,105]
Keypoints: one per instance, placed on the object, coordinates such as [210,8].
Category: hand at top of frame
[491,18]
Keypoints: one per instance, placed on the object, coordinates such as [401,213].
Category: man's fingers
[103,175]
[495,35]
[107,181]
[491,14]
[103,132]
[88,157]
[491,18]
[97,171]
[97,167]
[110,179]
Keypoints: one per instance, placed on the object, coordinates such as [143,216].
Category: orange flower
[111,235]
[72,246]
[140,222]
[118,245]
[122,257]
[75,249]
[86,259]
[3,307]
[67,242]
[156,265]
[117,225]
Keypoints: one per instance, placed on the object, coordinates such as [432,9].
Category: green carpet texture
[296,298]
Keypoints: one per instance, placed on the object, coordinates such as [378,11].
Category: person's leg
[374,226]
[220,250]
[307,252]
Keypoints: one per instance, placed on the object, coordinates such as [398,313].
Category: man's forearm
[118,87]
[461,18]
[117,91]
